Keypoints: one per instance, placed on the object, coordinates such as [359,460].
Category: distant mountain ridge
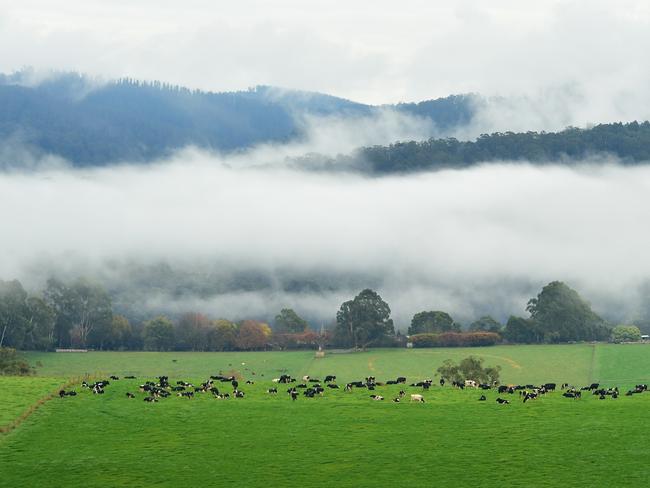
[90,124]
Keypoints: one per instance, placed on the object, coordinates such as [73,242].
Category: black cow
[502,401]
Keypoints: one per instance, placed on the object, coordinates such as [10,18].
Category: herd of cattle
[224,387]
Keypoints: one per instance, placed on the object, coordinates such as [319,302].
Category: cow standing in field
[417,398]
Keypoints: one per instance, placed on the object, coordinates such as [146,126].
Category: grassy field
[341,439]
[578,363]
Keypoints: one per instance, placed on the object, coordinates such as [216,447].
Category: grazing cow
[332,385]
[61,393]
[130,395]
[129,377]
[238,394]
[417,398]
[442,382]
[294,395]
[377,397]
[330,377]
[234,384]
[401,379]
[249,382]
[348,387]
[502,401]
[150,399]
[396,400]
[549,386]
[402,393]
[272,390]
[305,378]
[470,384]
[113,377]
[482,399]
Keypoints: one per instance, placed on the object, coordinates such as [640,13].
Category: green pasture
[576,363]
[17,394]
[341,439]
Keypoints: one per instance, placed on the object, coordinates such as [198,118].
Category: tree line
[630,142]
[79,314]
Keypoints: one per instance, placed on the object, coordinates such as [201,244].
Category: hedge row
[455,339]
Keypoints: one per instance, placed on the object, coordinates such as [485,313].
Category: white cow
[417,398]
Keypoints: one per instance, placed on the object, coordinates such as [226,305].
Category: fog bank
[470,242]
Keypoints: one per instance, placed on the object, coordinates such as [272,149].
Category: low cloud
[474,241]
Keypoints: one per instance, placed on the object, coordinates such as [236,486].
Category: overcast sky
[372,51]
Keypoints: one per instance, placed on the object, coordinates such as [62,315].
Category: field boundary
[15,423]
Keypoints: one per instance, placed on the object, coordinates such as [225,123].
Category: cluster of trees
[630,142]
[80,314]
[557,314]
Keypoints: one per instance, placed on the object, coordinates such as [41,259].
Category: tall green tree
[39,324]
[485,324]
[222,335]
[364,320]
[192,332]
[13,299]
[289,321]
[431,322]
[563,315]
[159,334]
[521,330]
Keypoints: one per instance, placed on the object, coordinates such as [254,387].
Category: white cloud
[445,240]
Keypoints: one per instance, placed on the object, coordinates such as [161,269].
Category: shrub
[470,368]
[456,339]
[12,364]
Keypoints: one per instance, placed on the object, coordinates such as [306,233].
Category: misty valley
[318,244]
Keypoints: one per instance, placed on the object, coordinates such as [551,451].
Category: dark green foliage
[562,315]
[159,334]
[13,313]
[364,320]
[485,324]
[289,321]
[128,120]
[522,331]
[630,142]
[433,321]
[455,339]
[470,368]
[11,363]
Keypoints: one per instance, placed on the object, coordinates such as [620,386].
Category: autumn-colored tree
[253,335]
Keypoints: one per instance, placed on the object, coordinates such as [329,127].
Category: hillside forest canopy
[80,314]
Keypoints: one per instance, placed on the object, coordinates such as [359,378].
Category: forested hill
[126,120]
[628,142]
